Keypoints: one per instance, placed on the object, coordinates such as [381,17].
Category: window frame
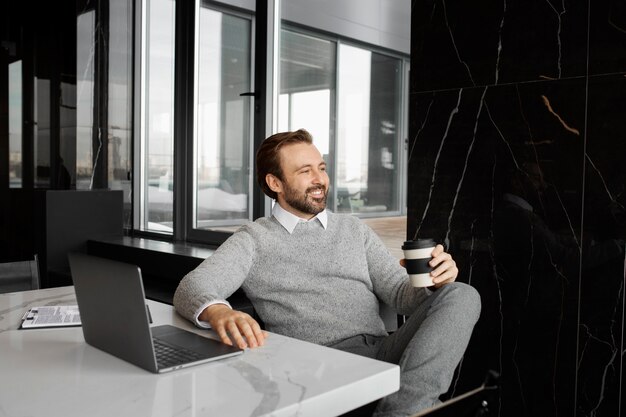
[140,107]
[208,235]
[263,63]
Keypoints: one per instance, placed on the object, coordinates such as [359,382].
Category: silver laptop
[115,319]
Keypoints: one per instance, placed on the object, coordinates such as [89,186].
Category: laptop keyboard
[168,355]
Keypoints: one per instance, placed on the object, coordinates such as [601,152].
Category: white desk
[53,372]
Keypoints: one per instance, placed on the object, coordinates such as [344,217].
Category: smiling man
[320,277]
[299,183]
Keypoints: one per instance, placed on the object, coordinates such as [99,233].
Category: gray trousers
[427,347]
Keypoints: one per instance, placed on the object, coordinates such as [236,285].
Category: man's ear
[274,183]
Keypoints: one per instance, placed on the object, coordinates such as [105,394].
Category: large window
[218,152]
[198,104]
[350,99]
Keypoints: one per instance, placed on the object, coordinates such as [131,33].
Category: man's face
[304,187]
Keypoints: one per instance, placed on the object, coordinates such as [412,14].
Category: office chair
[479,402]
[19,276]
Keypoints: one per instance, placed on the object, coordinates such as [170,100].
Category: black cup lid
[418,244]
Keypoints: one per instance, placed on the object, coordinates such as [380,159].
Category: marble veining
[457,45]
[456,49]
[559,16]
[67,377]
[546,102]
[506,143]
[606,188]
[261,383]
[612,345]
[454,111]
[544,266]
[500,42]
[417,135]
[465,165]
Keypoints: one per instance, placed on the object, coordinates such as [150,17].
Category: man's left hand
[444,268]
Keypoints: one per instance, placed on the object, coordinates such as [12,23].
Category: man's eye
[323,169]
[305,171]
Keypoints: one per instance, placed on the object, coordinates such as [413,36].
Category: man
[319,276]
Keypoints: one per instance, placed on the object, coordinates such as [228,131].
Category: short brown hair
[268,158]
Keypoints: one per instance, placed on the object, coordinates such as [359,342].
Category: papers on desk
[51,316]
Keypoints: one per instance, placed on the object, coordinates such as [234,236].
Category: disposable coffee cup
[417,254]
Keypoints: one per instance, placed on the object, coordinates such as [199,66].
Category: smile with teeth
[316,193]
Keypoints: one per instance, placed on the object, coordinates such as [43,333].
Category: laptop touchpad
[189,340]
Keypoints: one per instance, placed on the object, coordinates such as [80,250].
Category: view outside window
[15,124]
[66,162]
[120,101]
[307,89]
[307,86]
[98,149]
[353,126]
[349,98]
[222,183]
[368,132]
[158,117]
[42,133]
[85,57]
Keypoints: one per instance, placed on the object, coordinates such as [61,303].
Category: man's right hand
[234,326]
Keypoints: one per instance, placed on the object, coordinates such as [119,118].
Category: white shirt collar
[519,201]
[289,221]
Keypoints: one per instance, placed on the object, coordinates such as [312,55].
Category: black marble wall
[517,162]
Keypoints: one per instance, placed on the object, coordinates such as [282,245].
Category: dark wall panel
[516,164]
[602,276]
[607,37]
[461,44]
[53,223]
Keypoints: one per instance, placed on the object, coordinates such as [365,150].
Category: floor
[392,231]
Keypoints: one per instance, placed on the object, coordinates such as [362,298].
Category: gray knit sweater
[319,285]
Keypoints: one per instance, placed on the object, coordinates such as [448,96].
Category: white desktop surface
[53,372]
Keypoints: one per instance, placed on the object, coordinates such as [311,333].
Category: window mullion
[183,113]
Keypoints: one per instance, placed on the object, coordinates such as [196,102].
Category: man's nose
[318,176]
